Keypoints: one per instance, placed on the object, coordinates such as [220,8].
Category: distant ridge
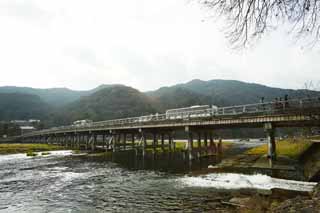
[53,96]
[62,106]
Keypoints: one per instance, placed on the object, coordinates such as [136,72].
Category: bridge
[132,133]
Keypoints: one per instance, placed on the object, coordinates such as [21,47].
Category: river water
[62,182]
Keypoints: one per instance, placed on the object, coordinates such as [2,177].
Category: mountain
[176,97]
[59,106]
[112,102]
[225,92]
[55,96]
[18,106]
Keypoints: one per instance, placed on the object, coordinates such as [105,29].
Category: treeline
[118,101]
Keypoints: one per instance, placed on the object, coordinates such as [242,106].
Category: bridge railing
[273,107]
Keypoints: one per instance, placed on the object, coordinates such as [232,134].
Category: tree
[248,20]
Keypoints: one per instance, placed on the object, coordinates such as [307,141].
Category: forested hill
[63,106]
[109,103]
[54,96]
[18,106]
[223,93]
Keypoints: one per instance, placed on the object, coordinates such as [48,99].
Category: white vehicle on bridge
[191,112]
[82,122]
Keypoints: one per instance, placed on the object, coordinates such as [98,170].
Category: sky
[145,44]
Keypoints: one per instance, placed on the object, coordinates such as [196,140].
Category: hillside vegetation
[61,106]
[225,92]
[110,103]
[16,106]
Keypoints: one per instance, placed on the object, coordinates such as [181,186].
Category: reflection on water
[122,183]
[165,162]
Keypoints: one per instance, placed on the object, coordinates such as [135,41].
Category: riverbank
[27,148]
[290,164]
[292,148]
[276,201]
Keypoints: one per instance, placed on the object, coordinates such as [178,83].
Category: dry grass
[27,148]
[292,148]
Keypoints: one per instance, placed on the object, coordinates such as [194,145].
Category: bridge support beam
[199,145]
[269,129]
[132,140]
[190,145]
[114,142]
[154,143]
[162,142]
[206,143]
[212,145]
[124,141]
[220,146]
[144,144]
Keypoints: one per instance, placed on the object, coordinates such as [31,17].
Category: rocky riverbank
[275,200]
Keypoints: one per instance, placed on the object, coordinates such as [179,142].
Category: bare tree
[309,87]
[248,20]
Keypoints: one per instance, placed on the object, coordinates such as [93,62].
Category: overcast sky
[145,44]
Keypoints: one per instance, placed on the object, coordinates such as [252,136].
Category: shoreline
[20,148]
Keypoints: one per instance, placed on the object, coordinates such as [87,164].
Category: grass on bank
[27,148]
[31,154]
[292,148]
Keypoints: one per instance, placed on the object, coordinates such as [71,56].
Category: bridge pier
[199,145]
[124,141]
[133,140]
[270,130]
[93,142]
[170,138]
[220,146]
[144,144]
[190,145]
[212,147]
[206,143]
[154,143]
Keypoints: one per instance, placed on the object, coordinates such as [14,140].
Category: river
[63,182]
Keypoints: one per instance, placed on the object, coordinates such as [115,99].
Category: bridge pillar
[114,142]
[78,141]
[86,141]
[73,140]
[170,142]
[211,144]
[190,145]
[206,143]
[109,141]
[132,140]
[162,142]
[124,141]
[93,142]
[199,145]
[144,144]
[269,129]
[220,146]
[154,143]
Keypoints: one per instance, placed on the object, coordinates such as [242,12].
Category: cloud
[145,44]
[25,11]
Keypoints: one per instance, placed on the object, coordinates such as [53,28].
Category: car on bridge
[191,112]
